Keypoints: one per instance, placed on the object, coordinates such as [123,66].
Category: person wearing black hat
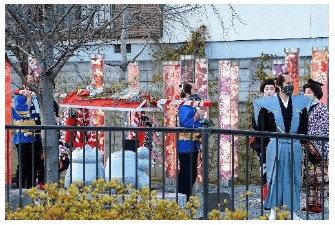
[318,124]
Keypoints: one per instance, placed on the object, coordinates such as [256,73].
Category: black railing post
[292,178]
[150,150]
[96,154]
[307,182]
[33,178]
[262,174]
[177,162]
[277,166]
[218,170]
[8,181]
[247,176]
[123,156]
[71,150]
[323,180]
[163,166]
[84,157]
[205,131]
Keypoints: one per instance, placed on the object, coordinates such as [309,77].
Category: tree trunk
[124,34]
[50,137]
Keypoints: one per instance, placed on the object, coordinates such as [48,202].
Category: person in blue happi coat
[189,143]
[283,113]
[25,111]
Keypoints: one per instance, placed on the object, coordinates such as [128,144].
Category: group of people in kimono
[278,111]
[285,113]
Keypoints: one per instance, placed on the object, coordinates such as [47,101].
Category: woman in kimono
[283,114]
[318,124]
[268,88]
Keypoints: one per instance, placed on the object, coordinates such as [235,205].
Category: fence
[206,132]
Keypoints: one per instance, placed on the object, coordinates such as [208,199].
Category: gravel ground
[254,203]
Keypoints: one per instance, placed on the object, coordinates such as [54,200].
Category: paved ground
[254,204]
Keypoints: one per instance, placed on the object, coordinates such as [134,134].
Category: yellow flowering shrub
[93,202]
[112,201]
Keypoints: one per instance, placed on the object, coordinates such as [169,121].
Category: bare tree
[52,34]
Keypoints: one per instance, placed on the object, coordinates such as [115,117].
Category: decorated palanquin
[85,102]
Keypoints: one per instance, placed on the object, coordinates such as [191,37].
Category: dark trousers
[26,163]
[188,172]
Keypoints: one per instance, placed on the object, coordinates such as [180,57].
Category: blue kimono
[290,120]
[186,119]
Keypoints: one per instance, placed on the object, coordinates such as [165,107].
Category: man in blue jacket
[189,143]
[24,107]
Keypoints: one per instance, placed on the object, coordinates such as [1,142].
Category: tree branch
[140,52]
[62,18]
[25,29]
[16,69]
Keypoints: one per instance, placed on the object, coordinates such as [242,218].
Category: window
[117,48]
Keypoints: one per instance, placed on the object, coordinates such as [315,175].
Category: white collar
[285,103]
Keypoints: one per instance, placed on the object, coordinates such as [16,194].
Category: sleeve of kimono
[266,122]
[303,124]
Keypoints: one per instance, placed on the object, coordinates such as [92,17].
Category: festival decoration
[228,116]
[187,69]
[278,66]
[171,76]
[133,79]
[201,81]
[98,115]
[292,66]
[184,102]
[320,71]
[234,111]
[8,119]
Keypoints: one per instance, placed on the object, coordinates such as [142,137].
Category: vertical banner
[201,81]
[98,115]
[171,77]
[320,71]
[292,66]
[234,110]
[278,66]
[224,119]
[187,69]
[228,117]
[134,79]
[8,119]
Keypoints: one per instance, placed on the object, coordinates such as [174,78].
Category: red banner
[320,71]
[201,81]
[171,73]
[8,119]
[98,115]
[292,66]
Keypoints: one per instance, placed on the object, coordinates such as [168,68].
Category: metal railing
[206,132]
